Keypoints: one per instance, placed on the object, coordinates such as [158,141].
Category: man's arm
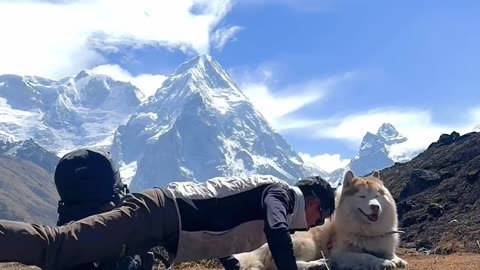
[276,202]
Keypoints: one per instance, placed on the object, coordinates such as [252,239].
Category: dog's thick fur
[362,234]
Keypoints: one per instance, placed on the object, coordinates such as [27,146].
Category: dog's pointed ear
[347,180]
[376,174]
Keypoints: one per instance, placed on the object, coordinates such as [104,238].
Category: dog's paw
[399,262]
[315,265]
[386,265]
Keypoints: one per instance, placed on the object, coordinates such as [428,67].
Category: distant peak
[387,128]
[82,74]
[391,136]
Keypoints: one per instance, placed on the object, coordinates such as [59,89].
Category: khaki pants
[143,220]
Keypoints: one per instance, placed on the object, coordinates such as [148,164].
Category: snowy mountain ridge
[65,114]
[199,125]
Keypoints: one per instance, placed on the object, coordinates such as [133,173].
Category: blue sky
[322,72]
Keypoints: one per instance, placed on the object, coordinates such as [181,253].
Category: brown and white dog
[362,234]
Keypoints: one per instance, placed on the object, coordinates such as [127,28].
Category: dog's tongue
[373,217]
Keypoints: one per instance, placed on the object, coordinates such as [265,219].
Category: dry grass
[416,261]
[457,261]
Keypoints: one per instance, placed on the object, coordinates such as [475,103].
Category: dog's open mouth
[372,217]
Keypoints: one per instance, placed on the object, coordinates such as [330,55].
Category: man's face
[314,213]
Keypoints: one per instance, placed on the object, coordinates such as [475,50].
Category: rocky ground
[416,260]
[458,261]
[438,195]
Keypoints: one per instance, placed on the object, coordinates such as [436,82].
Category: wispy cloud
[147,83]
[413,123]
[223,35]
[58,38]
[326,162]
[277,103]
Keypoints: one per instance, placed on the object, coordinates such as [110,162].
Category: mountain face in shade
[27,192]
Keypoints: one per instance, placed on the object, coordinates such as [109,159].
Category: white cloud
[275,103]
[474,115]
[326,162]
[274,107]
[147,83]
[223,35]
[417,125]
[59,38]
[353,127]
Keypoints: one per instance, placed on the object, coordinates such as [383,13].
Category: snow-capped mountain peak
[390,135]
[205,76]
[204,67]
[374,153]
[200,125]
[202,78]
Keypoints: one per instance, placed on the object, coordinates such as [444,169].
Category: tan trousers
[143,220]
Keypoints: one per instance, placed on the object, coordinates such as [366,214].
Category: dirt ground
[457,261]
[417,261]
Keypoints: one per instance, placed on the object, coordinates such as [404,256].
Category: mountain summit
[374,150]
[386,136]
[374,153]
[199,125]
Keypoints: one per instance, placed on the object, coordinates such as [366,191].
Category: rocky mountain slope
[438,194]
[27,192]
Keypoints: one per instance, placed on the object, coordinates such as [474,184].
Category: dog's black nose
[374,207]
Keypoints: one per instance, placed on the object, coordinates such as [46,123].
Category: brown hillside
[27,192]
[438,193]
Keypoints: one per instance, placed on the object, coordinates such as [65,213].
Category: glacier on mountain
[65,114]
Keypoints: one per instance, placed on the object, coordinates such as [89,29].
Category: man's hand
[313,265]
[230,263]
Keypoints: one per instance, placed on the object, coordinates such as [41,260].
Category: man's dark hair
[317,187]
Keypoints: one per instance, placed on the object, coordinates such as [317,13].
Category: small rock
[435,210]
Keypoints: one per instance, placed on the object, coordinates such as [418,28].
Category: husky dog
[362,233]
